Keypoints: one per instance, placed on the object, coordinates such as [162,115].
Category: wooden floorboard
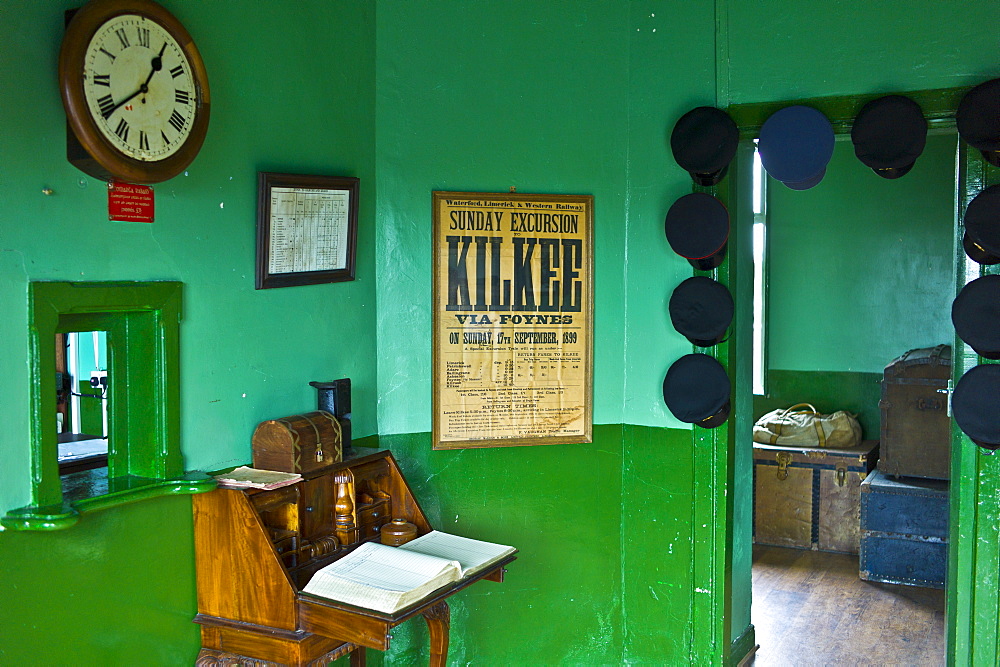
[810,608]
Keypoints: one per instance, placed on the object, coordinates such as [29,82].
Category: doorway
[848,276]
[723,457]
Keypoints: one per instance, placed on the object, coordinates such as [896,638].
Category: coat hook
[47,191]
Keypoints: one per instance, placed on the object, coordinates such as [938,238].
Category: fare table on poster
[513,321]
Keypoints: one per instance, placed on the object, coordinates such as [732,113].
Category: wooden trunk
[300,443]
[809,498]
[904,530]
[915,437]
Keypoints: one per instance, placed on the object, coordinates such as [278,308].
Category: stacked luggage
[904,503]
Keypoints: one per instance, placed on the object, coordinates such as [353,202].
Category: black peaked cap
[982,220]
[978,116]
[889,134]
[976,315]
[697,225]
[976,405]
[704,140]
[696,388]
[701,310]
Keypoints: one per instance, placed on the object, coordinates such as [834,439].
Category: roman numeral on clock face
[123,38]
[143,34]
[102,80]
[166,142]
[122,130]
[182,96]
[177,120]
[177,71]
[107,105]
[143,141]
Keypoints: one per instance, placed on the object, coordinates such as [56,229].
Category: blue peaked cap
[796,144]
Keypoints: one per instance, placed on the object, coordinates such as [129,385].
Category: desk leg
[358,657]
[438,620]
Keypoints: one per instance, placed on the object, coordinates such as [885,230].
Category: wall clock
[135,91]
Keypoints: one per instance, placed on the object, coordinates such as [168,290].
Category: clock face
[139,88]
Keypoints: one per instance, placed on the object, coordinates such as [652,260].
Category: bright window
[759,276]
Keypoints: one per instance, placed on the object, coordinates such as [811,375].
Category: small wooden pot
[397,532]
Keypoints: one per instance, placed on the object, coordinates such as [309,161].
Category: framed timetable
[307,229]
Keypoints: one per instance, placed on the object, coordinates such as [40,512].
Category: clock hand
[156,66]
[107,114]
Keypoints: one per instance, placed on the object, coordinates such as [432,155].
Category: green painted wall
[554,97]
[502,106]
[246,355]
[860,266]
[779,50]
[118,588]
[562,512]
[671,71]
[113,590]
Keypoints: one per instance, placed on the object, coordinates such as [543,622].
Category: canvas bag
[807,428]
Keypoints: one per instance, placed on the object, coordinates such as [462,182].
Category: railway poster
[513,319]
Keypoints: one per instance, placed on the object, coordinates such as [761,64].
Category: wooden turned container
[397,532]
[300,443]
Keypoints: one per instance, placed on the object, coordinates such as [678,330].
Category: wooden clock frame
[87,149]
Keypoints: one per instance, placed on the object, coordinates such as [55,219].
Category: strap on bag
[818,423]
[774,436]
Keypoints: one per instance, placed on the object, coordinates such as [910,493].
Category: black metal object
[335,397]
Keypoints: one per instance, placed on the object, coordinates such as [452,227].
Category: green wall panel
[860,266]
[670,71]
[116,589]
[779,50]
[556,97]
[603,575]
[560,505]
[657,537]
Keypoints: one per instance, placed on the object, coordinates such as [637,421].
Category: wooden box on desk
[256,550]
[300,443]
[809,498]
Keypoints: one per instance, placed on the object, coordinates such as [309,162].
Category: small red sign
[129,202]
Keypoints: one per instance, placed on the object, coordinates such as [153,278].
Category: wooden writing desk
[256,550]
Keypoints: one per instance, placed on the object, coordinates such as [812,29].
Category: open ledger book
[383,578]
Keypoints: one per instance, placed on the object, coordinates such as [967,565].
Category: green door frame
[974,534]
[721,632]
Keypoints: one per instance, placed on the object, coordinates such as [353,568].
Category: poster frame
[439,315]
